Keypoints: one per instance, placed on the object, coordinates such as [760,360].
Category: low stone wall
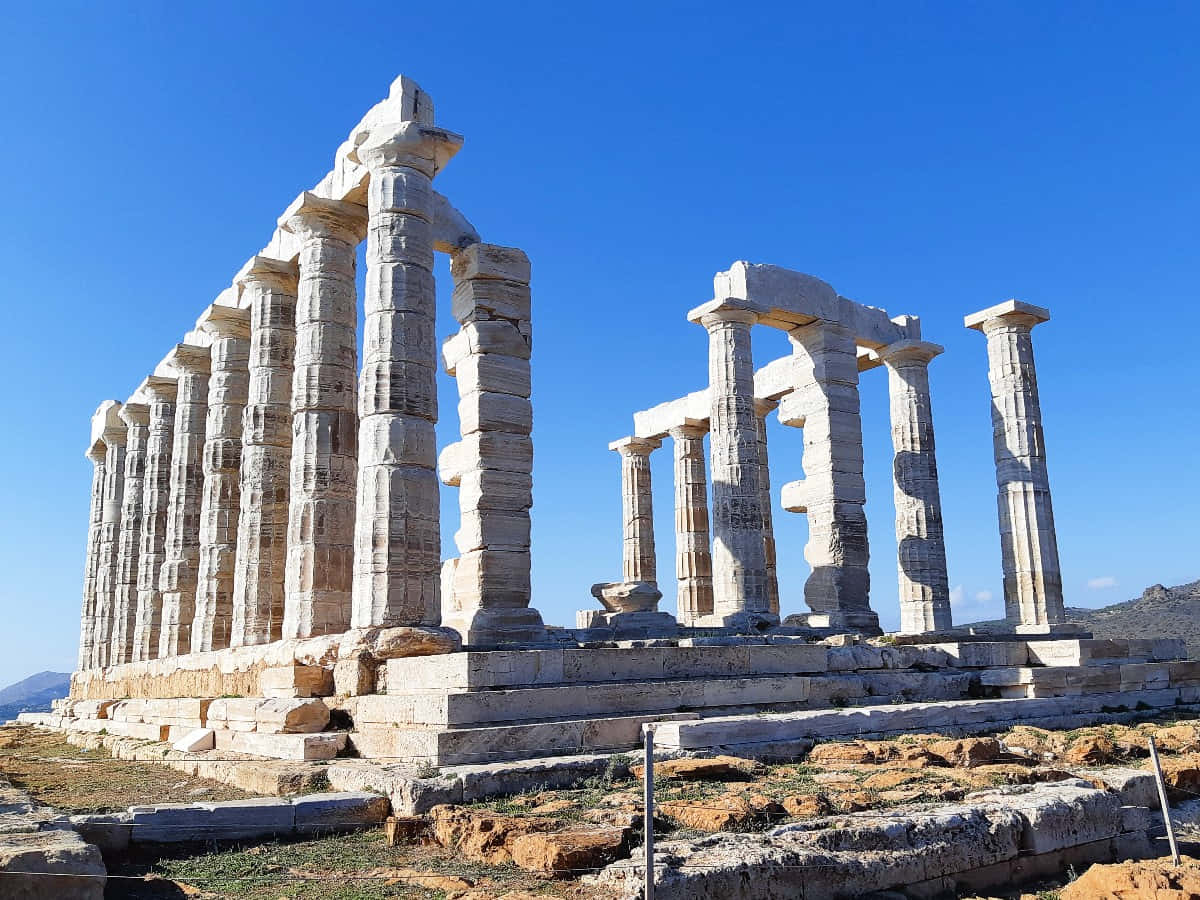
[237,671]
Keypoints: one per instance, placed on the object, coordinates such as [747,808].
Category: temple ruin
[263,569]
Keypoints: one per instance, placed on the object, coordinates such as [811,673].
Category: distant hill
[33,694]
[1159,612]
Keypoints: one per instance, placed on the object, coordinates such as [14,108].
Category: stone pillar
[693,554]
[638,559]
[107,570]
[156,495]
[762,409]
[181,542]
[921,547]
[87,621]
[269,291]
[319,570]
[738,555]
[1033,597]
[488,594]
[136,417]
[826,406]
[220,503]
[397,542]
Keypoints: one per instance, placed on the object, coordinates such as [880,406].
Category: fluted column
[156,495]
[228,386]
[1033,599]
[762,409]
[177,580]
[319,571]
[136,417]
[269,290]
[87,620]
[115,435]
[738,555]
[397,556]
[638,558]
[693,556]
[921,546]
[826,406]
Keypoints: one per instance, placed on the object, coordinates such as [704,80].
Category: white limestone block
[196,740]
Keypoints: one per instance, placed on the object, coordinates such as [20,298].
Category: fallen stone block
[196,740]
[483,836]
[50,865]
[563,852]
[326,813]
[291,716]
[233,820]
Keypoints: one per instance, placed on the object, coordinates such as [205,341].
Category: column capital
[635,446]
[269,272]
[191,358]
[96,453]
[156,386]
[310,216]
[226,322]
[687,432]
[1010,312]
[135,414]
[716,312]
[909,353]
[416,145]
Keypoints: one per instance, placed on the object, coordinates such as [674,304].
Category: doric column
[220,503]
[320,540]
[87,620]
[693,555]
[177,580]
[762,409]
[826,406]
[486,590]
[921,547]
[1033,598]
[397,556]
[136,417]
[114,436]
[738,555]
[269,290]
[638,559]
[156,496]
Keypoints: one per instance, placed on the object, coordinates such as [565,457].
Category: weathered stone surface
[331,812]
[282,716]
[571,849]
[693,556]
[87,622]
[50,865]
[702,769]
[147,628]
[483,836]
[136,416]
[1159,879]
[296,681]
[115,435]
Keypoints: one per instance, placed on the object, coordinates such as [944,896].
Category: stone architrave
[762,409]
[921,546]
[1033,598]
[826,406]
[319,571]
[156,496]
[181,542]
[397,540]
[228,386]
[87,623]
[638,557]
[269,291]
[136,417]
[488,594]
[738,555]
[693,554]
[114,436]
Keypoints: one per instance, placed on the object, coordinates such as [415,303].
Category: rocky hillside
[1159,612]
[33,694]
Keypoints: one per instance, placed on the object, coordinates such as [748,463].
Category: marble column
[319,570]
[1033,597]
[921,547]
[397,558]
[269,290]
[114,436]
[762,409]
[638,558]
[826,406]
[156,495]
[181,542]
[136,417]
[738,556]
[87,622]
[693,554]
[228,386]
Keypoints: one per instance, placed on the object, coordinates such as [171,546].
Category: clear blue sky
[930,158]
